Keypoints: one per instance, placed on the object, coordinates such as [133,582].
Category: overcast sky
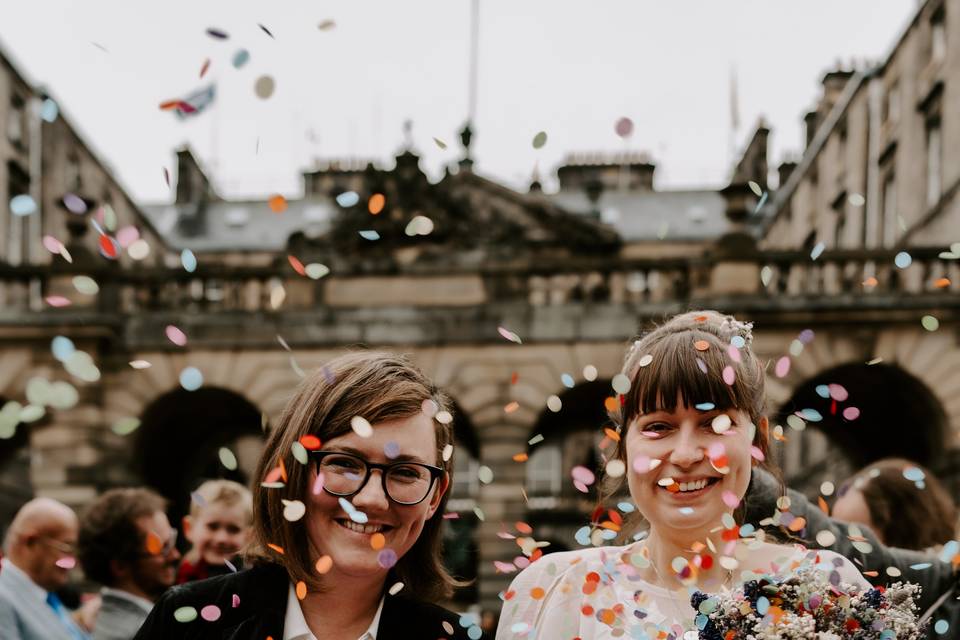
[568,68]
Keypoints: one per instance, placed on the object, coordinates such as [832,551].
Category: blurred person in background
[39,551]
[221,513]
[127,544]
[902,502]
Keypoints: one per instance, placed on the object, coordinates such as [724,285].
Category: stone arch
[181,432]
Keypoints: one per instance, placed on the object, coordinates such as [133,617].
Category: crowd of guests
[315,567]
[124,542]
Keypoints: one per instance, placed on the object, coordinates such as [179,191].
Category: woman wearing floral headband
[691,429]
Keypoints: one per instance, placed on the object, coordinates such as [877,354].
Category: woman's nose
[689,450]
[372,495]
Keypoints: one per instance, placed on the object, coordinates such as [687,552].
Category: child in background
[221,512]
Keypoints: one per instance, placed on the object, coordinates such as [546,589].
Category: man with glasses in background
[40,550]
[127,545]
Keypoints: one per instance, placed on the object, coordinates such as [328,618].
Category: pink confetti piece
[521,562]
[730,499]
[52,245]
[210,613]
[838,392]
[317,484]
[67,562]
[235,601]
[506,535]
[729,376]
[851,413]
[757,454]
[58,301]
[583,475]
[509,335]
[387,558]
[504,567]
[734,353]
[176,336]
[783,367]
[582,488]
[716,449]
[451,516]
[127,236]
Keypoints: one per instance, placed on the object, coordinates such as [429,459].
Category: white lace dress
[596,594]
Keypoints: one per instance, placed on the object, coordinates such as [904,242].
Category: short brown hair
[108,530]
[903,514]
[379,387]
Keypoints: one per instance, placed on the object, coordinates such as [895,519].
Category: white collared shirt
[143,603]
[31,586]
[295,625]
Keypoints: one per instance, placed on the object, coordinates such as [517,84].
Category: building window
[18,183]
[74,182]
[934,162]
[466,481]
[545,470]
[938,37]
[16,124]
[840,219]
[888,223]
[891,105]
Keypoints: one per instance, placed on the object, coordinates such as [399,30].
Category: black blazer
[263,590]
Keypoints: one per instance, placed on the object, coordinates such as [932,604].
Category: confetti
[277,203]
[377,541]
[396,587]
[387,558]
[930,323]
[540,140]
[210,613]
[590,373]
[227,458]
[240,58]
[370,234]
[701,345]
[511,407]
[326,25]
[185,614]
[620,384]
[205,67]
[176,336]
[57,301]
[361,427]
[568,381]
[217,34]
[125,426]
[49,110]
[315,270]
[265,30]
[903,260]
[783,367]
[485,474]
[293,510]
[766,275]
[22,205]
[440,143]
[191,379]
[817,250]
[645,360]
[324,564]
[264,87]
[188,260]
[376,203]
[509,335]
[347,199]
[623,127]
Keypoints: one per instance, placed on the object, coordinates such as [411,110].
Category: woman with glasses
[348,503]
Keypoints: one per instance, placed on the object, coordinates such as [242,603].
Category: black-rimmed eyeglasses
[345,474]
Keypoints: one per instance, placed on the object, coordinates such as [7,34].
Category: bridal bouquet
[808,604]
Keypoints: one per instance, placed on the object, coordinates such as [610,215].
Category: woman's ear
[442,487]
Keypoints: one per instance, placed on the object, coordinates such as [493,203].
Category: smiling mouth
[367,529]
[686,488]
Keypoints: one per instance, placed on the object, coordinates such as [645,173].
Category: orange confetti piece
[275,547]
[524,528]
[870,574]
[586,610]
[521,457]
[797,524]
[310,442]
[870,282]
[376,203]
[537,593]
[154,544]
[297,265]
[613,435]
[536,555]
[701,345]
[283,471]
[510,408]
[514,377]
[611,404]
[942,283]
[612,526]
[273,475]
[607,616]
[324,564]
[509,595]
[205,67]
[278,204]
[301,590]
[169,105]
[377,541]
[823,505]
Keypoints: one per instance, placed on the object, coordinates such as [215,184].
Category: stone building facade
[282,287]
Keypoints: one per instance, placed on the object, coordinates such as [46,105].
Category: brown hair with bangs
[379,387]
[682,361]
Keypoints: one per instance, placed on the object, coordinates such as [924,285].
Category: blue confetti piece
[188,260]
[903,260]
[474,633]
[823,390]
[810,415]
[241,58]
[949,550]
[705,406]
[369,234]
[391,450]
[746,530]
[191,379]
[920,566]
[686,510]
[941,626]
[626,507]
[348,199]
[817,250]
[567,381]
[763,201]
[738,342]
[582,536]
[763,605]
[62,348]
[49,110]
[608,534]
[914,474]
[22,205]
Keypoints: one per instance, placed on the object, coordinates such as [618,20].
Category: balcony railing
[850,274]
